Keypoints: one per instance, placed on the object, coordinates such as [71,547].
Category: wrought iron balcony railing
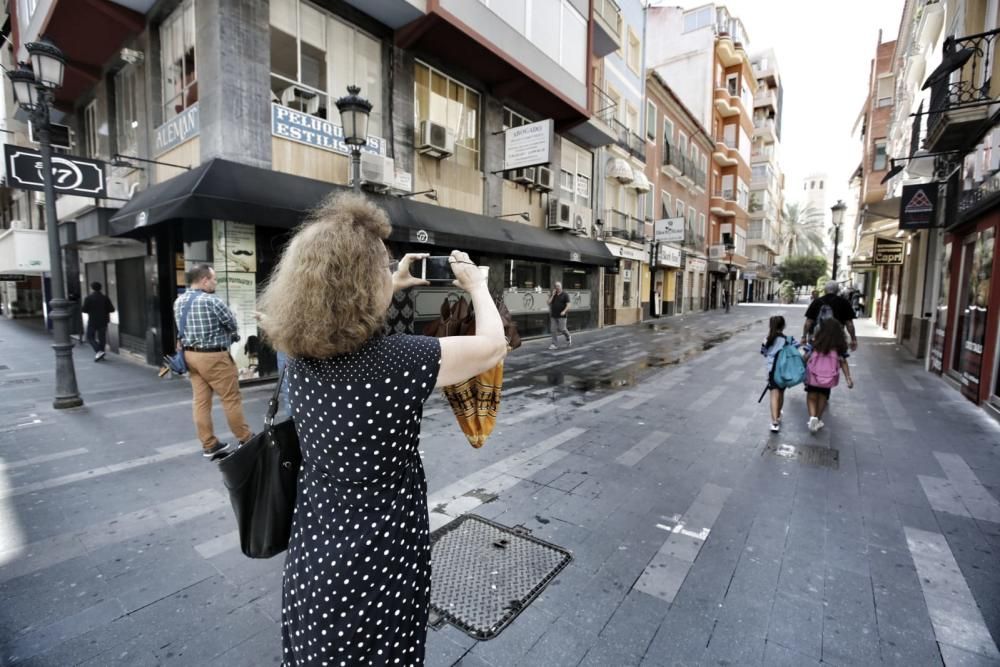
[969,84]
[605,107]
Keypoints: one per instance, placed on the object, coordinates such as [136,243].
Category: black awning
[224,190]
[451,229]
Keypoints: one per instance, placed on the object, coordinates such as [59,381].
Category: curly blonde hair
[323,298]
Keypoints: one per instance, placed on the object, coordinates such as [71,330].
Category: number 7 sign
[71,175]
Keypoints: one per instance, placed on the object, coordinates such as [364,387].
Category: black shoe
[219,450]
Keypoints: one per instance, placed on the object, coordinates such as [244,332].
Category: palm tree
[801,231]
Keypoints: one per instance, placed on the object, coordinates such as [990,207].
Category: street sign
[71,175]
[668,230]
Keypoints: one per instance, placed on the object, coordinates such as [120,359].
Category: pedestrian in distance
[357,576]
[772,346]
[558,308]
[725,299]
[210,330]
[98,308]
[826,359]
[830,305]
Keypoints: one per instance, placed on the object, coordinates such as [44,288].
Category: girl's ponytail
[776,328]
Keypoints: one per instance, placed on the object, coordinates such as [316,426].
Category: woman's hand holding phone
[467,274]
[402,278]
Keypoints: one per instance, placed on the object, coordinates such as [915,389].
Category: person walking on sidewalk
[558,307]
[829,305]
[357,578]
[210,330]
[98,308]
[776,339]
[825,360]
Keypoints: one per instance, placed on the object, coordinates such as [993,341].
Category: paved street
[697,535]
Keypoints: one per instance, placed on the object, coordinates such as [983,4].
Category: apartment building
[706,63]
[218,122]
[767,180]
[625,193]
[678,150]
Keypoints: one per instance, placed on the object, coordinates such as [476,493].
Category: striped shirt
[210,323]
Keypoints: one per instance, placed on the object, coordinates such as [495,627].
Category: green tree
[801,231]
[803,269]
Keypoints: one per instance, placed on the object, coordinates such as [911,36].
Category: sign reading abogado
[887,251]
[528,145]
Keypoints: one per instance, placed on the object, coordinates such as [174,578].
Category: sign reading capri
[71,175]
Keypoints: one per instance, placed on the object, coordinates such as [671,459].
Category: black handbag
[261,477]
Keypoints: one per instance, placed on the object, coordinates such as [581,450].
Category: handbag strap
[182,325]
[272,405]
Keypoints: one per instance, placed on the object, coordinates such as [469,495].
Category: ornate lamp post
[34,92]
[837,216]
[354,112]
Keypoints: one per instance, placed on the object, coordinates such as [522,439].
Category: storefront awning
[224,190]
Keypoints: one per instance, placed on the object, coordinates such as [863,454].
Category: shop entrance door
[609,297]
[131,279]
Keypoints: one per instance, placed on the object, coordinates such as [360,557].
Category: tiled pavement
[639,449]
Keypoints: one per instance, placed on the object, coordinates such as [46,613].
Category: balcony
[726,152]
[763,235]
[607,28]
[596,131]
[726,104]
[987,192]
[628,140]
[961,107]
[765,98]
[765,129]
[621,226]
[692,241]
[723,203]
[732,44]
[673,160]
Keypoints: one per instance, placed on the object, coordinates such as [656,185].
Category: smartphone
[436,270]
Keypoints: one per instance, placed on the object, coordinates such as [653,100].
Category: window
[528,275]
[692,216]
[445,101]
[579,164]
[650,204]
[634,51]
[631,118]
[668,130]
[682,142]
[665,210]
[126,117]
[821,185]
[879,162]
[679,209]
[884,92]
[566,181]
[701,224]
[28,8]
[314,57]
[177,61]
[90,145]
[512,118]
[698,18]
[733,84]
[559,31]
[650,121]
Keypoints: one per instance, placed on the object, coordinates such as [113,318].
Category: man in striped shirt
[209,331]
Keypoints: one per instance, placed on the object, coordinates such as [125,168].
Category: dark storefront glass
[941,319]
[974,296]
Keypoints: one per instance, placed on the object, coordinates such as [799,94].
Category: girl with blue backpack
[785,367]
[824,362]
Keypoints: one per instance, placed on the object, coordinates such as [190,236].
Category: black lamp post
[354,112]
[33,91]
[837,216]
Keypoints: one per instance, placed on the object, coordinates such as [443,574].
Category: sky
[824,51]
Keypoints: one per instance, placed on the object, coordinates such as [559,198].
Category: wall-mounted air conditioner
[561,215]
[543,179]
[300,99]
[436,140]
[377,171]
[524,175]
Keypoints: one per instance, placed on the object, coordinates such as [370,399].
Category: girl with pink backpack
[824,362]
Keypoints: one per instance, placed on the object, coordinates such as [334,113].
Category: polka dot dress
[357,574]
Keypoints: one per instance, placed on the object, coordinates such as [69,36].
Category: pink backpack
[823,370]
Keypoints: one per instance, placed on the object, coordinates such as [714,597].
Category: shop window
[315,56]
[180,78]
[528,275]
[126,113]
[627,283]
[575,279]
[447,102]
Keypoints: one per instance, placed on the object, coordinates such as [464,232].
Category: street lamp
[33,91]
[837,216]
[354,111]
[727,241]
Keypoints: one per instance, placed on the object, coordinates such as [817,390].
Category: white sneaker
[569,340]
[819,424]
[99,356]
[553,347]
[775,427]
[813,424]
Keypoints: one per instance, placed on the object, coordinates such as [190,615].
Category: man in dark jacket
[98,308]
[839,308]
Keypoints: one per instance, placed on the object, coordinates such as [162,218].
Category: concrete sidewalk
[698,536]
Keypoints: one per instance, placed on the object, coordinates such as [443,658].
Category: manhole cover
[20,381]
[813,455]
[485,574]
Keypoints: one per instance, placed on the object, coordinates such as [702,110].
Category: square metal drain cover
[814,455]
[484,574]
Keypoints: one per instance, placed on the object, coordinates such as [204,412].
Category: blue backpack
[789,369]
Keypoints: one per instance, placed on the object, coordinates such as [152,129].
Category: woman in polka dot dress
[356,585]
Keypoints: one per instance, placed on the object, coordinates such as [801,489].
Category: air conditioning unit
[19,224]
[561,215]
[525,175]
[377,171]
[435,140]
[300,100]
[543,179]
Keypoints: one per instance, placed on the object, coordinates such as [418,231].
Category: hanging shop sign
[669,256]
[528,145]
[71,175]
[317,132]
[697,264]
[917,206]
[669,230]
[179,129]
[626,252]
[887,252]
